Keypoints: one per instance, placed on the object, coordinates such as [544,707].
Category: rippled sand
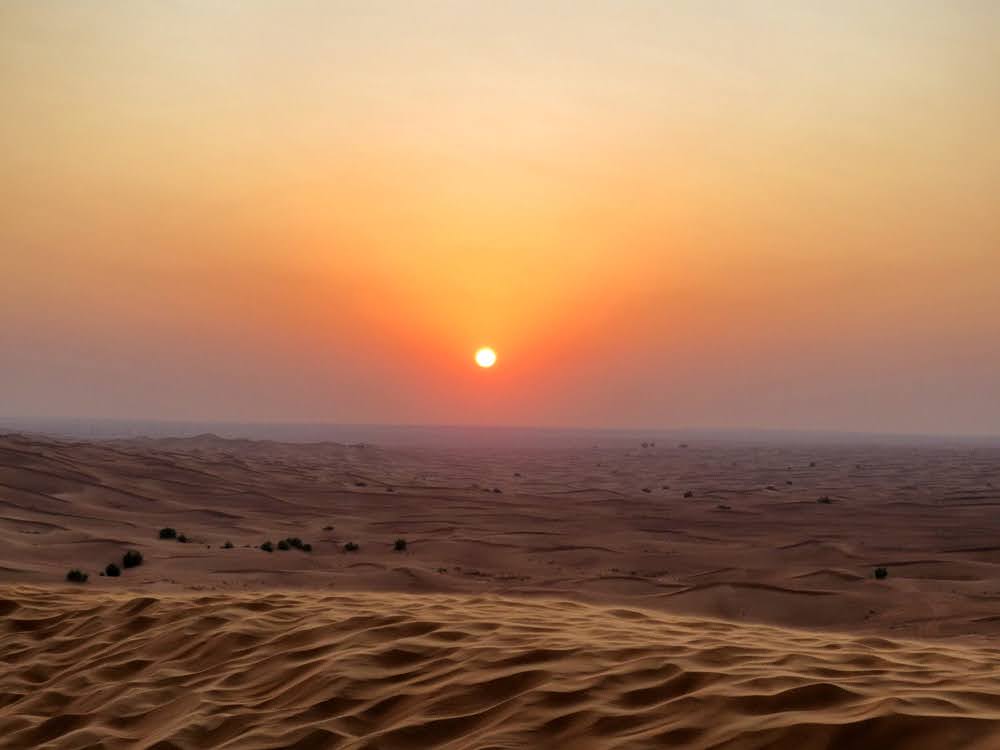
[598,595]
[362,670]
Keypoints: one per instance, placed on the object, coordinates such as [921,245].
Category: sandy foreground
[603,594]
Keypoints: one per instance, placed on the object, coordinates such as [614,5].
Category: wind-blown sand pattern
[582,595]
[363,670]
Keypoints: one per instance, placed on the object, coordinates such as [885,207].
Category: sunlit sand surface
[364,670]
[597,594]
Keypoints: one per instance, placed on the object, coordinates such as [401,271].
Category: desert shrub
[182,539]
[328,528]
[267,546]
[294,541]
[351,547]
[168,533]
[400,545]
[307,547]
[76,576]
[825,500]
[227,545]
[112,570]
[132,559]
[881,573]
[283,545]
[688,493]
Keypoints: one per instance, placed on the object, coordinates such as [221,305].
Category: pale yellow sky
[775,214]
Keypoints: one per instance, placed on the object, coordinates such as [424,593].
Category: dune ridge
[310,669]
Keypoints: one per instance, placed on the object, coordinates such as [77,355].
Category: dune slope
[308,669]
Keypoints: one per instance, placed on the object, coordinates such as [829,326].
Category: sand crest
[398,672]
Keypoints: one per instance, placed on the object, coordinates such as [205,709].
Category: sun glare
[486,357]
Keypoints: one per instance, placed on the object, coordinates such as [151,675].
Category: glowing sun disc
[486,357]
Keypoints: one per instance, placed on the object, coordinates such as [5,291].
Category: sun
[486,357]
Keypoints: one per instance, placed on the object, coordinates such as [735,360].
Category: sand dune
[568,521]
[362,670]
[580,596]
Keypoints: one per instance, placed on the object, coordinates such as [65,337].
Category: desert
[522,375]
[592,590]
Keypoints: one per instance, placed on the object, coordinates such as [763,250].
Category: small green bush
[76,576]
[182,539]
[307,547]
[168,533]
[267,547]
[351,547]
[132,559]
[112,570]
[400,545]
[881,573]
[227,545]
[294,541]
[283,546]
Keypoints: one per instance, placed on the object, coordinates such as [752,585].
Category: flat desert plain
[603,592]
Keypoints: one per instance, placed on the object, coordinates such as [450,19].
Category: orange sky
[774,214]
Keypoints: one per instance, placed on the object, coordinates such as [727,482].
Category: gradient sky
[724,214]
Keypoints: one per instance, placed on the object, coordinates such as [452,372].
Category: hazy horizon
[777,215]
[428,435]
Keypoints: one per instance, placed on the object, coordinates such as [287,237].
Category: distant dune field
[615,593]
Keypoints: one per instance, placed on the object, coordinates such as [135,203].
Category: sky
[659,214]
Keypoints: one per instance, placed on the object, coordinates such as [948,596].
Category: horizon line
[805,431]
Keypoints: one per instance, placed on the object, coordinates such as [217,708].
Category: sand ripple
[85,669]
